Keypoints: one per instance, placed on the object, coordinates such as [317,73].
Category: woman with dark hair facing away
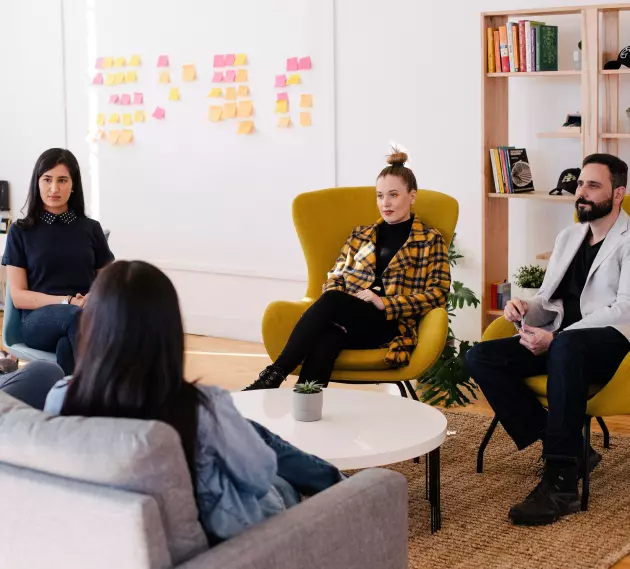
[52,256]
[388,275]
[131,364]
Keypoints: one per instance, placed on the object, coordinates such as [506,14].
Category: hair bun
[397,158]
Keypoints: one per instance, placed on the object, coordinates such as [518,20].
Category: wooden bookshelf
[600,29]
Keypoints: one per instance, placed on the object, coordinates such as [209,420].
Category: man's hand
[368,296]
[536,340]
[515,310]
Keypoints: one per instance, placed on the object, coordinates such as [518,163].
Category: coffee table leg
[434,489]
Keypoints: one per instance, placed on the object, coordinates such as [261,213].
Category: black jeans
[336,321]
[576,359]
[32,383]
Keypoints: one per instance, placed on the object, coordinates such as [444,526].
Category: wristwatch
[66,300]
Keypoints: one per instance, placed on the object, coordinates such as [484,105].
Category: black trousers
[335,322]
[576,359]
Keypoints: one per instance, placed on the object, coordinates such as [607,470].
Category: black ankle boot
[555,496]
[269,378]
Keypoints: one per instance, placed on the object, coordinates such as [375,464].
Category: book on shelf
[521,46]
[497,52]
[510,43]
[511,170]
[547,48]
[503,44]
[490,35]
[500,294]
[515,47]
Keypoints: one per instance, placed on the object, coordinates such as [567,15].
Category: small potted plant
[628,113]
[529,279]
[308,400]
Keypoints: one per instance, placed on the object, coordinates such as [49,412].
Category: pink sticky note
[305,63]
[229,59]
[281,80]
[283,97]
[292,64]
[230,76]
[219,61]
[113,99]
[217,77]
[98,79]
[162,61]
[99,63]
[158,113]
[138,98]
[125,99]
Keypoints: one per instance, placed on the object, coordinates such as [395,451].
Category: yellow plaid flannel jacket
[417,280]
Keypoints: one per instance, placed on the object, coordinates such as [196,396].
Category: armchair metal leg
[605,431]
[484,443]
[586,462]
[400,385]
[411,390]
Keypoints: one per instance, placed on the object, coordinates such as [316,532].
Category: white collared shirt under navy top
[61,253]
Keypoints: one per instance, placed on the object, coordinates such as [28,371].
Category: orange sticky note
[120,62]
[173,94]
[127,119]
[215,114]
[215,92]
[165,77]
[126,136]
[245,127]
[131,77]
[100,134]
[119,78]
[240,59]
[294,79]
[306,101]
[245,109]
[114,118]
[282,106]
[109,80]
[229,110]
[241,76]
[243,91]
[134,61]
[230,94]
[305,119]
[284,122]
[108,62]
[100,119]
[112,136]
[189,73]
[138,116]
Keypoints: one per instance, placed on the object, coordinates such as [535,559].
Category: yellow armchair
[323,220]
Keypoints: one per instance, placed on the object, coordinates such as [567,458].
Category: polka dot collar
[66,217]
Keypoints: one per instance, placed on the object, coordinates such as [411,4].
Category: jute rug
[476,532]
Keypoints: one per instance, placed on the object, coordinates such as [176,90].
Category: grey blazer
[605,300]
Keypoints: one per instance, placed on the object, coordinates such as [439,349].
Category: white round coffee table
[358,429]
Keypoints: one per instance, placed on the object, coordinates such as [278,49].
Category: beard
[597,211]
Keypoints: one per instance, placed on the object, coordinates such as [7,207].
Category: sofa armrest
[279,319]
[360,523]
[499,329]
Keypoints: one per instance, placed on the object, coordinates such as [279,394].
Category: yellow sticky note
[138,116]
[108,62]
[119,78]
[245,109]
[229,110]
[165,77]
[189,73]
[134,60]
[131,77]
[126,136]
[282,106]
[100,119]
[120,62]
[215,114]
[215,92]
[112,136]
[245,127]
[284,122]
[109,80]
[173,94]
[241,76]
[230,93]
[243,91]
[305,119]
[114,118]
[306,101]
[294,79]
[127,119]
[240,59]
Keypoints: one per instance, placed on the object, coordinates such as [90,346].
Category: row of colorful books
[500,294]
[511,170]
[522,46]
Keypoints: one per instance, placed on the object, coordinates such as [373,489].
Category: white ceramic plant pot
[527,293]
[307,407]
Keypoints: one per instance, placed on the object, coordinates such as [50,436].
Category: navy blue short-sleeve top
[61,253]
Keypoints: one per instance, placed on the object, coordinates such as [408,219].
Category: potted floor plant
[528,279]
[308,401]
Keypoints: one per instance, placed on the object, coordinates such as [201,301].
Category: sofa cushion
[139,456]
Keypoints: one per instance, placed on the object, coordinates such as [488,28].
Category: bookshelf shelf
[569,134]
[494,312]
[615,135]
[536,196]
[559,11]
[563,73]
[544,256]
[622,71]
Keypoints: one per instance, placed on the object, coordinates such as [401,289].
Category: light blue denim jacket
[236,470]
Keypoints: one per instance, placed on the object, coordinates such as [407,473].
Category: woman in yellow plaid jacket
[387,276]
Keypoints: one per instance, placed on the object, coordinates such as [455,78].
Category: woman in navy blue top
[53,255]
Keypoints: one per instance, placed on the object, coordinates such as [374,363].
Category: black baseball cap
[622,59]
[567,181]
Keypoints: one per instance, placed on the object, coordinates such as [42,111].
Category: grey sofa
[80,493]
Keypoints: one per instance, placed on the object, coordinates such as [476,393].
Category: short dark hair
[618,168]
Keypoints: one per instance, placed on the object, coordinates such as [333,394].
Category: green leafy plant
[448,382]
[308,387]
[529,276]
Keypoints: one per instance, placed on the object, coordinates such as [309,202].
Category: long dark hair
[47,161]
[130,360]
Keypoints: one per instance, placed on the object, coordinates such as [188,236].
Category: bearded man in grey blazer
[576,330]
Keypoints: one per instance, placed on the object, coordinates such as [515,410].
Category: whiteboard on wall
[189,193]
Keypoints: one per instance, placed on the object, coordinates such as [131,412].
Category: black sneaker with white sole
[270,378]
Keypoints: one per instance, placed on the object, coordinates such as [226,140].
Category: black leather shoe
[270,378]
